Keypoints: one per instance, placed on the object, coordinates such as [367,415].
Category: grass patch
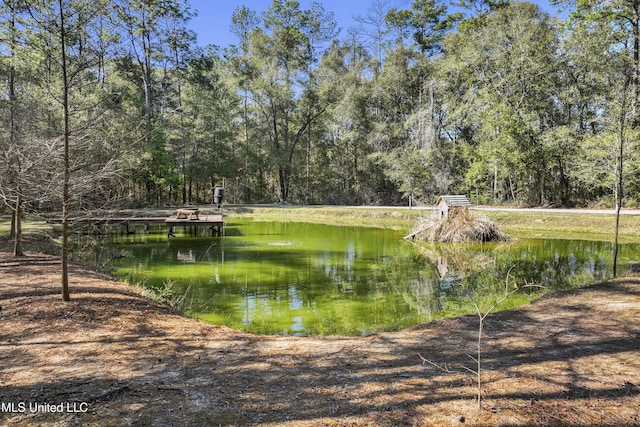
[395,219]
[556,225]
[30,226]
[566,225]
[37,236]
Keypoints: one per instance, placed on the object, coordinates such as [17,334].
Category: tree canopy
[494,99]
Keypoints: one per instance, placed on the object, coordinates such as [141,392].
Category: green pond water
[300,279]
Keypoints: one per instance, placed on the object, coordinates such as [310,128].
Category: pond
[300,278]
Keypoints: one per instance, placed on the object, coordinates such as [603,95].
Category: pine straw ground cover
[119,358]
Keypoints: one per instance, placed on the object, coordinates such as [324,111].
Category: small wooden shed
[447,204]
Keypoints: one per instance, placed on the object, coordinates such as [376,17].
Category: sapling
[482,316]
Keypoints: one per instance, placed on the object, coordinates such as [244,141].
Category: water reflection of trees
[423,296]
[455,261]
[479,272]
[554,263]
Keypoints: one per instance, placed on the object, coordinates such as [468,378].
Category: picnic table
[188,213]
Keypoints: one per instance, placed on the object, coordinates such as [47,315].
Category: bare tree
[68,35]
[15,203]
[374,27]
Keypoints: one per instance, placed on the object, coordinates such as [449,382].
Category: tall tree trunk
[12,231]
[16,224]
[619,194]
[635,23]
[635,87]
[495,182]
[65,182]
[245,175]
[283,178]
[308,161]
[184,184]
[17,227]
[146,72]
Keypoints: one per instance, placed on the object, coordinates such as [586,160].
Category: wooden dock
[202,220]
[214,222]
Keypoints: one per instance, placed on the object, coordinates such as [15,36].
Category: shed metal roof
[454,200]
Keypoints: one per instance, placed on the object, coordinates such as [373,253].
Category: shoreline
[569,358]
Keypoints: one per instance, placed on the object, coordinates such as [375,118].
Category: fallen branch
[444,367]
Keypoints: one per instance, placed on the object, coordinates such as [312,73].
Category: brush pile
[460,226]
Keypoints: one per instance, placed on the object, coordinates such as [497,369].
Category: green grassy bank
[567,225]
[32,227]
[517,224]
[396,219]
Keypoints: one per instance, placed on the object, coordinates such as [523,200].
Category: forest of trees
[111,103]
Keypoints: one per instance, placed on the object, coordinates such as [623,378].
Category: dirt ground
[112,357]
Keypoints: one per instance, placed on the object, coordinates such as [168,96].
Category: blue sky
[214,16]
